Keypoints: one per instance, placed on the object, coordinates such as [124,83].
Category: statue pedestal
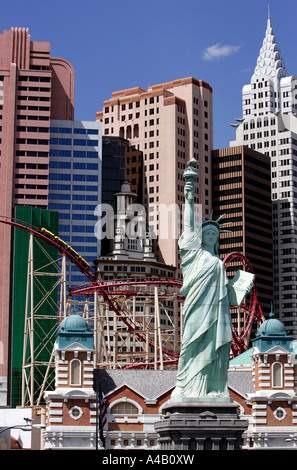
[197,424]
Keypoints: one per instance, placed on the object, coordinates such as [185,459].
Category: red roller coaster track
[62,248]
[66,250]
[253,310]
[111,288]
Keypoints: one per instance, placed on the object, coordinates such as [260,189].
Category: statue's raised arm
[190,174]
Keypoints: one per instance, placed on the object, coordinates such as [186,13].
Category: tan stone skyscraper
[34,88]
[170,123]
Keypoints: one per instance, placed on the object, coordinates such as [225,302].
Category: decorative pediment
[76,346]
[276,349]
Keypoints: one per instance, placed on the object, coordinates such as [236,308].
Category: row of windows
[33,98]
[77,228]
[35,88]
[75,153]
[75,166]
[78,216]
[85,249]
[32,141]
[68,187]
[68,130]
[67,177]
[69,197]
[74,207]
[32,166]
[32,129]
[151,100]
[24,78]
[31,177]
[79,142]
[30,196]
[32,118]
[30,153]
[31,186]
[33,108]
[258,123]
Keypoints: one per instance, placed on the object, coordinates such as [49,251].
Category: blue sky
[117,44]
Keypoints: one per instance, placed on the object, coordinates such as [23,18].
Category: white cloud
[216,51]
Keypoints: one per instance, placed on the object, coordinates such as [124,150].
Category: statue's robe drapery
[207,330]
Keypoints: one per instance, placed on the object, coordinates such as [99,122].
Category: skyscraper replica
[241,191]
[34,88]
[269,125]
[170,123]
[75,187]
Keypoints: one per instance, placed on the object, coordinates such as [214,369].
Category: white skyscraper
[269,125]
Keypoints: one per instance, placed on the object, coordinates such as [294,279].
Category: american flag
[102,409]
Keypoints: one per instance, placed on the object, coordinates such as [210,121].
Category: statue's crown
[215,223]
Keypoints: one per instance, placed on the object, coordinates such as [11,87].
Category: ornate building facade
[71,407]
[263,381]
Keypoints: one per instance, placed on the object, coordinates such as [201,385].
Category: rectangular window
[64,141]
[80,142]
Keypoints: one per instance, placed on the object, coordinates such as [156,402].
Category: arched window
[124,408]
[277,374]
[136,130]
[122,132]
[129,132]
[75,372]
[259,123]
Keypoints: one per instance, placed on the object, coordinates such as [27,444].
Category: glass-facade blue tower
[75,187]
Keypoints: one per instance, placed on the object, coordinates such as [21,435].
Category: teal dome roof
[74,329]
[271,333]
[272,327]
[74,323]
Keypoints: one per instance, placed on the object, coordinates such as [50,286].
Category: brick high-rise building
[34,88]
[241,190]
[170,123]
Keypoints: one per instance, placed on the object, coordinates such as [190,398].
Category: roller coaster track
[253,310]
[61,246]
[110,289]
[66,250]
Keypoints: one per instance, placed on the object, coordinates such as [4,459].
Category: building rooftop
[151,384]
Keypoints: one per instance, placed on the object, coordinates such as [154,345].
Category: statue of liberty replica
[207,328]
[202,376]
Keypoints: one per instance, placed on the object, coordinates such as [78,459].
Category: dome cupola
[272,332]
[74,329]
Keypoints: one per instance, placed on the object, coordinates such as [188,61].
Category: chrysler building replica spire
[269,125]
[270,62]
